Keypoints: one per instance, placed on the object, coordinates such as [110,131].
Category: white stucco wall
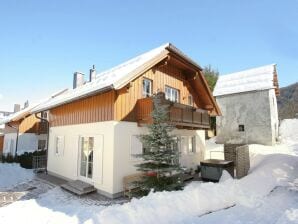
[254,110]
[125,163]
[27,142]
[67,164]
[113,160]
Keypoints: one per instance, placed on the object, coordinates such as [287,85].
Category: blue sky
[43,42]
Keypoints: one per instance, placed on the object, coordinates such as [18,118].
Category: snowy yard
[269,194]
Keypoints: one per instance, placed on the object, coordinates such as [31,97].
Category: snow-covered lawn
[12,174]
[269,194]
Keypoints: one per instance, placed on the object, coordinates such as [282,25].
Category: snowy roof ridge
[113,78]
[259,78]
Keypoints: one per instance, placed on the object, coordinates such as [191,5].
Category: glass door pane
[84,152]
[86,163]
[90,157]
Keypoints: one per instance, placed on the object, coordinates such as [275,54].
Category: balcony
[180,115]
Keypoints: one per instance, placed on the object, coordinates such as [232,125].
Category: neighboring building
[247,100]
[24,132]
[94,127]
[3,115]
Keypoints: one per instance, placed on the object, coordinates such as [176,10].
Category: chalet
[94,126]
[24,132]
[247,100]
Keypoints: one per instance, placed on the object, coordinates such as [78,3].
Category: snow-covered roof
[29,110]
[260,78]
[114,78]
[17,115]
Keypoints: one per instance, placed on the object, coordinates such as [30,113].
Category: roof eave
[110,87]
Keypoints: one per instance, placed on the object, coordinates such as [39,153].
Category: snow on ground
[269,194]
[12,174]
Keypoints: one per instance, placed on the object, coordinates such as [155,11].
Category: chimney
[78,79]
[16,108]
[92,73]
[26,104]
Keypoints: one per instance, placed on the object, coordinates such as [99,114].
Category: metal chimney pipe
[92,74]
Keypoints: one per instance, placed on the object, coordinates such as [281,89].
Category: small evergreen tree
[160,156]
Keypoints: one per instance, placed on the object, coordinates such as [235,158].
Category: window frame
[59,151]
[190,100]
[241,128]
[190,142]
[145,94]
[171,94]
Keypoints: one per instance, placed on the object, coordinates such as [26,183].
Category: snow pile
[289,133]
[163,207]
[12,174]
[213,150]
[269,194]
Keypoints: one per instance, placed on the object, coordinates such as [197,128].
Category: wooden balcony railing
[180,115]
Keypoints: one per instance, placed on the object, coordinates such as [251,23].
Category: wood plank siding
[29,124]
[125,104]
[88,110]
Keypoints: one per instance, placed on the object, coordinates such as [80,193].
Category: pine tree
[160,156]
[211,76]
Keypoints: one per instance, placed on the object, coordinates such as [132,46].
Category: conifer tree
[160,163]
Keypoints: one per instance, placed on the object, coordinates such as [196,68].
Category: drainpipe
[17,140]
[48,132]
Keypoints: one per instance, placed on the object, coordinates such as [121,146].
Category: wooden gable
[120,104]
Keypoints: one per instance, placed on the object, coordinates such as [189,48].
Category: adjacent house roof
[119,76]
[260,78]
[18,115]
[28,110]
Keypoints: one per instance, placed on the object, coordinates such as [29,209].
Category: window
[59,145]
[147,87]
[192,144]
[188,144]
[136,147]
[41,144]
[241,127]
[172,94]
[190,100]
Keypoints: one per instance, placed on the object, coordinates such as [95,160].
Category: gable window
[147,87]
[172,94]
[190,100]
[241,127]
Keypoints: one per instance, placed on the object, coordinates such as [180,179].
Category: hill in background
[288,101]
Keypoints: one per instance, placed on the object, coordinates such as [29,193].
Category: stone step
[78,187]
